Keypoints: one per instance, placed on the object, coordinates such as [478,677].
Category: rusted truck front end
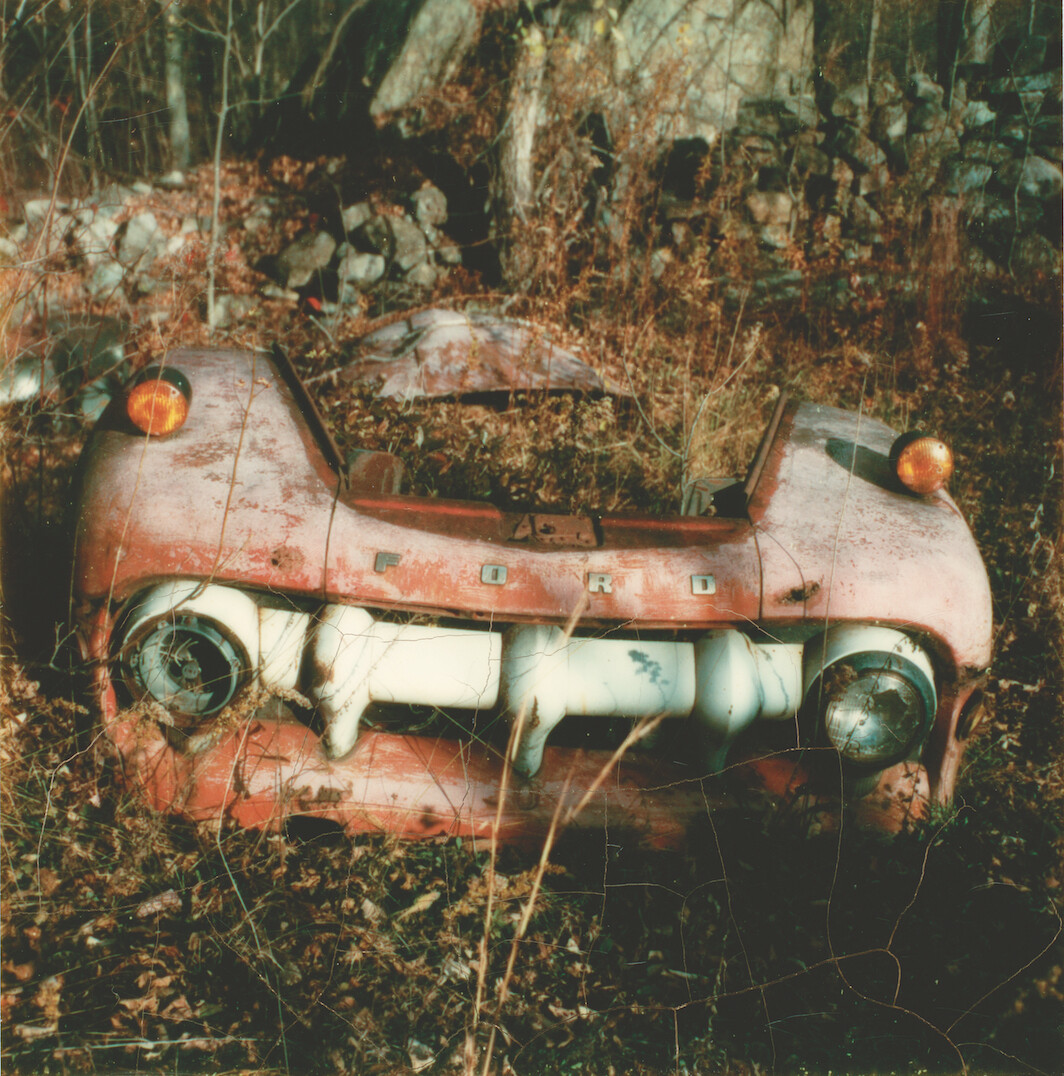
[256,610]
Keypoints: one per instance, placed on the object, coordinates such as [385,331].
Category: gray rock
[1047,132]
[447,251]
[270,290]
[889,123]
[757,150]
[430,206]
[141,240]
[94,234]
[770,207]
[1033,177]
[110,198]
[90,352]
[1044,81]
[173,180]
[860,152]
[928,151]
[298,263]
[93,399]
[1034,253]
[660,260]
[996,224]
[257,219]
[842,173]
[354,216]
[875,179]
[360,268]
[411,248]
[987,151]
[977,114]
[926,117]
[884,91]
[1014,132]
[59,224]
[348,294]
[376,235]
[964,177]
[923,87]
[414,48]
[27,378]
[106,279]
[774,237]
[229,309]
[866,221]
[149,285]
[35,210]
[809,160]
[778,285]
[851,104]
[422,275]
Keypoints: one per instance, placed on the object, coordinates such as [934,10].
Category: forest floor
[142,943]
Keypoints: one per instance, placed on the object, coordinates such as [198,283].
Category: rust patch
[285,559]
[800,595]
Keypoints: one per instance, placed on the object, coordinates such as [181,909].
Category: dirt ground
[134,942]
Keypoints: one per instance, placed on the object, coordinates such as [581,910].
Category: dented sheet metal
[450,353]
[252,495]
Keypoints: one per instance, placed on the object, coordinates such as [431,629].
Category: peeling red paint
[247,494]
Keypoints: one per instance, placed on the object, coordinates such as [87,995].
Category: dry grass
[134,942]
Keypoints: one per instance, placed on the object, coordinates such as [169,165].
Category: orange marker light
[922,464]
[157,404]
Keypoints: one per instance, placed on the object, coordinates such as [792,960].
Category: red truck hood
[243,493]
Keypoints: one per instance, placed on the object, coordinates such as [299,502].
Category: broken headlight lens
[874,717]
[185,663]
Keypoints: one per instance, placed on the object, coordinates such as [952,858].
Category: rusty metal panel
[452,353]
[839,541]
[241,493]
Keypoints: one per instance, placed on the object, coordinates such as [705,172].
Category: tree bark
[176,101]
[978,30]
[873,35]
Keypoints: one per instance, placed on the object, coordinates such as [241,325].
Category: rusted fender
[262,773]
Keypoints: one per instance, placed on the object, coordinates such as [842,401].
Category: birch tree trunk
[176,101]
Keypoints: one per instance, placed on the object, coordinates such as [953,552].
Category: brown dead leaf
[48,881]
[426,900]
[148,1003]
[48,997]
[178,1009]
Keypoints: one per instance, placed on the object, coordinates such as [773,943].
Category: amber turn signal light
[158,401]
[923,464]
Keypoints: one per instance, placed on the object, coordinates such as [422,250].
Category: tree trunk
[978,31]
[873,35]
[176,101]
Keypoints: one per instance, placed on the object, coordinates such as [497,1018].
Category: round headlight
[869,692]
[874,718]
[923,464]
[189,646]
[187,664]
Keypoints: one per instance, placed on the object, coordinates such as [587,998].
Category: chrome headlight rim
[188,647]
[888,671]
[187,663]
